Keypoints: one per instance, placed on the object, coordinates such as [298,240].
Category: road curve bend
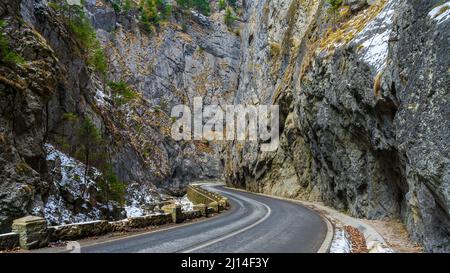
[254,224]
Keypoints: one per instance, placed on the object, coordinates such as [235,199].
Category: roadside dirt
[357,239]
[395,235]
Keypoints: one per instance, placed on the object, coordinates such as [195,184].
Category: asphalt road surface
[253,224]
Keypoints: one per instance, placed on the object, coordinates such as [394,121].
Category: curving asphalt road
[253,224]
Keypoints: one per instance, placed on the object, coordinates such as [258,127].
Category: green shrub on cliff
[70,117]
[153,12]
[117,6]
[334,4]
[123,92]
[111,188]
[229,17]
[333,9]
[184,4]
[81,27]
[89,140]
[6,54]
[91,150]
[201,6]
[127,5]
[120,6]
[232,3]
[222,4]
[97,60]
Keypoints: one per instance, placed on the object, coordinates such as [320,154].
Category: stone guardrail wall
[78,230]
[214,202]
[32,232]
[9,240]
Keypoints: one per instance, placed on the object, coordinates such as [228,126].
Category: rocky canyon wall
[60,80]
[363,95]
[364,105]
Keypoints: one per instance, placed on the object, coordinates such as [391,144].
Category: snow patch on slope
[74,2]
[69,187]
[71,170]
[440,13]
[141,199]
[134,211]
[186,204]
[100,97]
[373,39]
[55,211]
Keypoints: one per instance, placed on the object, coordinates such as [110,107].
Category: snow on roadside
[186,204]
[440,13]
[340,243]
[378,247]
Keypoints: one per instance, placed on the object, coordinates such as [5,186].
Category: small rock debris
[357,239]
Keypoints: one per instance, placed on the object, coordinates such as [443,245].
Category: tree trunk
[107,200]
[86,164]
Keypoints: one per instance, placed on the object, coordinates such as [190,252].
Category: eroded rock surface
[188,56]
[364,107]
[365,110]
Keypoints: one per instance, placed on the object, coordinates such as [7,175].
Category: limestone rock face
[419,74]
[364,110]
[364,107]
[24,90]
[191,55]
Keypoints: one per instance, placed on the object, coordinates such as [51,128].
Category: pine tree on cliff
[202,6]
[232,3]
[333,10]
[89,138]
[229,17]
[111,188]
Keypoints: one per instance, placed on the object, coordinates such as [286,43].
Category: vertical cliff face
[364,109]
[60,80]
[273,45]
[190,55]
[363,95]
[24,92]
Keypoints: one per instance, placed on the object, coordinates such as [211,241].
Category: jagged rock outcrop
[24,92]
[46,97]
[363,95]
[364,109]
[192,56]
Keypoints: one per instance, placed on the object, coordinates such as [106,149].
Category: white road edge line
[159,229]
[326,244]
[269,211]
